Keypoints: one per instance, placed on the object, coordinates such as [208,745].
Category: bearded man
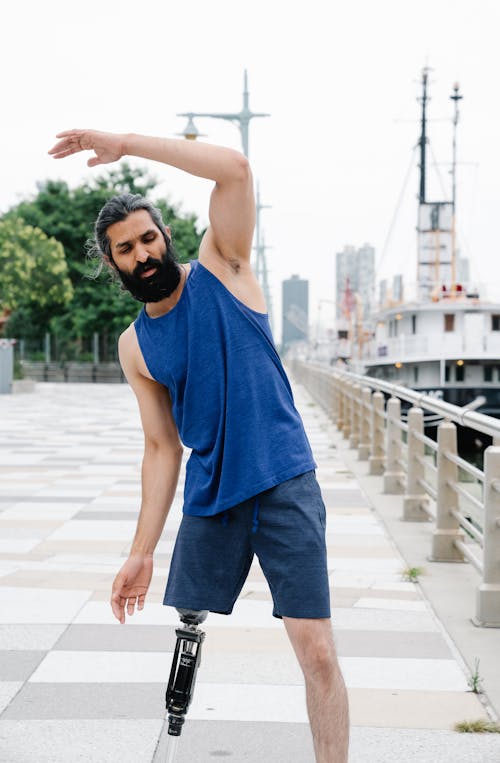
[201,360]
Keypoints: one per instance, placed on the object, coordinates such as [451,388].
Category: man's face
[142,259]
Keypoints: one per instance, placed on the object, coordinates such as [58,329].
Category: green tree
[185,237]
[33,270]
[68,215]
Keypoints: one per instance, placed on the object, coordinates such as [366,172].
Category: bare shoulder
[235,274]
[128,344]
[131,359]
[155,403]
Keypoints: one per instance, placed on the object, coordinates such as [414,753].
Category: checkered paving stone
[77,686]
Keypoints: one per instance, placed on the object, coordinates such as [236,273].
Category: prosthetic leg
[185,663]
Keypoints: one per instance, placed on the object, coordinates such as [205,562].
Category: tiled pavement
[77,686]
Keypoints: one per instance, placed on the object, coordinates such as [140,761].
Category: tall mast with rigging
[456,97]
[423,136]
[436,262]
[422,143]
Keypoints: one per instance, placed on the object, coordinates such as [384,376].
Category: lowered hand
[131,584]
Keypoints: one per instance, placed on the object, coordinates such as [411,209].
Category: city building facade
[295,310]
[355,273]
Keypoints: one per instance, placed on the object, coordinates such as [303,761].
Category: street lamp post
[241,118]
[259,237]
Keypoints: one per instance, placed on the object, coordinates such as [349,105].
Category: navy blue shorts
[284,526]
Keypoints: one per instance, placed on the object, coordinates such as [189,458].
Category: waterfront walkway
[77,686]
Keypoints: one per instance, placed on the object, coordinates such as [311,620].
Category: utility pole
[265,283]
[242,120]
[260,254]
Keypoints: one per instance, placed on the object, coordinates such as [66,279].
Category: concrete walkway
[77,686]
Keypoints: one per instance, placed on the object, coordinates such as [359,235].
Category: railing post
[341,399]
[346,426]
[95,347]
[355,416]
[364,425]
[377,453]
[47,344]
[334,398]
[322,392]
[393,477]
[447,526]
[488,594]
[328,394]
[415,499]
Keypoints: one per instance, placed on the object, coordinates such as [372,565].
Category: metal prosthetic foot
[185,663]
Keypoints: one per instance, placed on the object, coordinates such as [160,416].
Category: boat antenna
[422,144]
[455,97]
[423,134]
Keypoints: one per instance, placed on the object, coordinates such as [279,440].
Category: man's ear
[109,262]
[169,231]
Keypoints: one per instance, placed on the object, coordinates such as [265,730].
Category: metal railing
[465,514]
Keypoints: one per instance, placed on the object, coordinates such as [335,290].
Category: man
[201,360]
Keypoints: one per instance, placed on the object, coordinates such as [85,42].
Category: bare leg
[326,695]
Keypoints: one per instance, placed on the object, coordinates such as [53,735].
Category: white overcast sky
[340,80]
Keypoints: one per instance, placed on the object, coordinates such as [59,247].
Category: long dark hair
[115,210]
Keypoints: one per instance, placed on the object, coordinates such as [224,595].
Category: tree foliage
[33,269]
[67,215]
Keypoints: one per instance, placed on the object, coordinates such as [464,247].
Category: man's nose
[141,253]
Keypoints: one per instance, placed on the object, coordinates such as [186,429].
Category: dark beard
[161,284]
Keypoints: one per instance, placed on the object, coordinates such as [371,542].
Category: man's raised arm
[232,204]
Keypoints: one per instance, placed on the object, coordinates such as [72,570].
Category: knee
[319,660]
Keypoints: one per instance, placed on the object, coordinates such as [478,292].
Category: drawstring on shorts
[224,517]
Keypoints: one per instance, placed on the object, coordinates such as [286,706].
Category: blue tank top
[231,398]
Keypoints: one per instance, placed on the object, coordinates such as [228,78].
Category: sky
[340,80]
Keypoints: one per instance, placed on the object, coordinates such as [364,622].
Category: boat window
[447,372]
[413,324]
[449,322]
[495,322]
[460,373]
[488,373]
[415,370]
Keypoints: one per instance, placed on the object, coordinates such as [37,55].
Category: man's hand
[131,584]
[108,146]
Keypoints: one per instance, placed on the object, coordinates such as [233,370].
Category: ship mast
[456,97]
[423,147]
[423,136]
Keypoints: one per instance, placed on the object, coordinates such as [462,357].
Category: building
[295,307]
[355,270]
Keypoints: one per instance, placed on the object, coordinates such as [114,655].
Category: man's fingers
[65,133]
[64,148]
[70,140]
[140,601]
[63,153]
[118,606]
[58,147]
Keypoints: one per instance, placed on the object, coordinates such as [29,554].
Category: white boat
[445,340]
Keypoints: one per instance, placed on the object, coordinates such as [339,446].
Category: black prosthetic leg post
[185,663]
